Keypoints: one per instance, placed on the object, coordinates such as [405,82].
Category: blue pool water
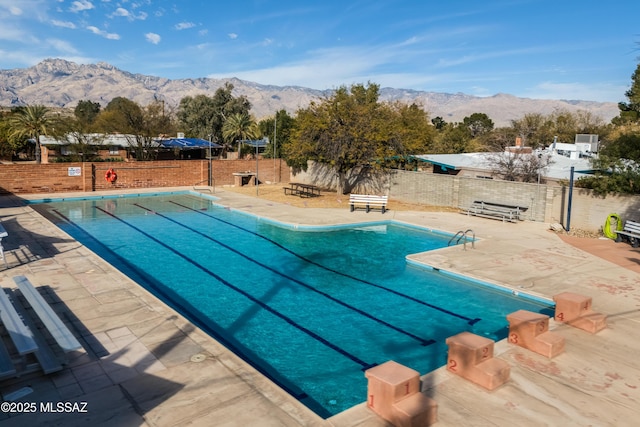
[310,308]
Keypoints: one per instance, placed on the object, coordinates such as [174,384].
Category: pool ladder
[211,189]
[464,235]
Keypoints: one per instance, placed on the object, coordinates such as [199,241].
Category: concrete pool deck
[146,365]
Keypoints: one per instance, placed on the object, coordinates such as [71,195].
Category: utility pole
[275,140]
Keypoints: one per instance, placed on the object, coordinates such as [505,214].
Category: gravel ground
[275,193]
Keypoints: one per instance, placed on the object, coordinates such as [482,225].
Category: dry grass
[275,193]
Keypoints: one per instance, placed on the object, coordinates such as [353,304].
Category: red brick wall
[54,177]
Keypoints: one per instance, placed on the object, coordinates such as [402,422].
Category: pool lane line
[469,320]
[271,310]
[422,341]
[286,384]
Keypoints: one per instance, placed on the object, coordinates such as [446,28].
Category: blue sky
[550,49]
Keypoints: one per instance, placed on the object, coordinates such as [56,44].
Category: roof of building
[99,139]
[122,140]
[261,143]
[188,143]
[559,168]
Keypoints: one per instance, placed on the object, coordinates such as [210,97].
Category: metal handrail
[463,234]
[460,233]
[473,239]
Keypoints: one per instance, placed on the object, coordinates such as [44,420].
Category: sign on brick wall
[74,171]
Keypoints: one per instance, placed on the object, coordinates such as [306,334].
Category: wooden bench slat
[50,319]
[20,334]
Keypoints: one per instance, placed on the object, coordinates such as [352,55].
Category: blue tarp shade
[187,143]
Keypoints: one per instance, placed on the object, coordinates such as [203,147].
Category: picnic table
[302,190]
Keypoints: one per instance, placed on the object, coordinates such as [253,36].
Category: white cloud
[14,10]
[121,12]
[184,25]
[233,36]
[61,46]
[63,24]
[124,13]
[331,68]
[11,33]
[322,69]
[153,38]
[80,5]
[106,35]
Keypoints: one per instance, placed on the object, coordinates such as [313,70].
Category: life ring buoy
[110,175]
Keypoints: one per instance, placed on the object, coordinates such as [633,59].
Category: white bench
[630,232]
[19,332]
[494,211]
[58,330]
[368,202]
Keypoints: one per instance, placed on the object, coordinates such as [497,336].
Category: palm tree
[238,127]
[30,121]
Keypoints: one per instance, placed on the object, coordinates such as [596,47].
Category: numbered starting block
[531,331]
[575,310]
[471,357]
[394,394]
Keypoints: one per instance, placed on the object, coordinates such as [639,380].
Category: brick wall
[59,177]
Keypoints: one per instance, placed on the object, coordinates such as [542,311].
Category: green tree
[141,126]
[278,129]
[455,138]
[414,128]
[439,123]
[630,111]
[618,163]
[564,125]
[87,111]
[531,130]
[350,131]
[121,115]
[7,143]
[239,127]
[31,121]
[203,116]
[478,124]
[83,144]
[499,139]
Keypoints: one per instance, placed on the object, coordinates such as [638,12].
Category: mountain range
[60,83]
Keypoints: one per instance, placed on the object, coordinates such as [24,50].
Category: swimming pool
[309,307]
